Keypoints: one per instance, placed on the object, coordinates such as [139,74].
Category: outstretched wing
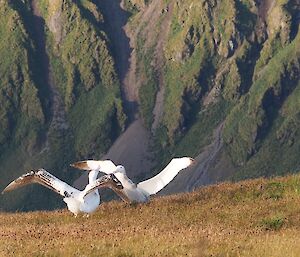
[158,182]
[106,166]
[109,181]
[44,178]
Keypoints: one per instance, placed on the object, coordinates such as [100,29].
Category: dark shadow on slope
[245,19]
[38,30]
[273,100]
[35,28]
[88,15]
[248,22]
[192,99]
[115,18]
[294,8]
[246,67]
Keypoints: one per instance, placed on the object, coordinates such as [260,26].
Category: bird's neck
[126,182]
[93,176]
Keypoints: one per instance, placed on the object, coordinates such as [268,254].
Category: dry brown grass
[252,218]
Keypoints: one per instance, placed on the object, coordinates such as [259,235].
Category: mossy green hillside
[89,82]
[240,53]
[59,104]
[18,88]
[262,106]
[219,62]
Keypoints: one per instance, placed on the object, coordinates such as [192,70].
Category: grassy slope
[21,115]
[246,63]
[18,88]
[84,76]
[253,218]
[260,139]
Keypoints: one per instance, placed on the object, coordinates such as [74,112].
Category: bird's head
[120,169]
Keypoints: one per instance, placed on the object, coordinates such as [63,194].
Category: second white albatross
[77,201]
[132,192]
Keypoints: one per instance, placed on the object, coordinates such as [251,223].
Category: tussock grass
[241,219]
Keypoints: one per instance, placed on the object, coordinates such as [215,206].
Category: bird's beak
[192,160]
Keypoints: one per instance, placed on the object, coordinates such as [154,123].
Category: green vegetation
[89,84]
[235,62]
[60,101]
[223,220]
[148,90]
[18,88]
[22,114]
[259,113]
[273,223]
[191,60]
[236,54]
[131,7]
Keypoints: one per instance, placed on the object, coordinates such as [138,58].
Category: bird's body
[77,201]
[132,192]
[89,205]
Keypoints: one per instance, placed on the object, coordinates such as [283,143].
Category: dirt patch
[153,35]
[131,149]
[263,8]
[55,25]
[132,81]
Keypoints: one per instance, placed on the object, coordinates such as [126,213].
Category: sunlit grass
[240,219]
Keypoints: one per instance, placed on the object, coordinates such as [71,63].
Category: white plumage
[132,192]
[77,201]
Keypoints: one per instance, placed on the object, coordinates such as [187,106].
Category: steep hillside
[140,82]
[252,218]
[60,93]
[202,64]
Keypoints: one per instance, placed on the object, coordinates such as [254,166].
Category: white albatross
[77,201]
[132,192]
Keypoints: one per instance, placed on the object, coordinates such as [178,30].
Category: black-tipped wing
[44,178]
[109,181]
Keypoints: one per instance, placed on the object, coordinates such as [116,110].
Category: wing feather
[158,182]
[106,181]
[105,166]
[43,178]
